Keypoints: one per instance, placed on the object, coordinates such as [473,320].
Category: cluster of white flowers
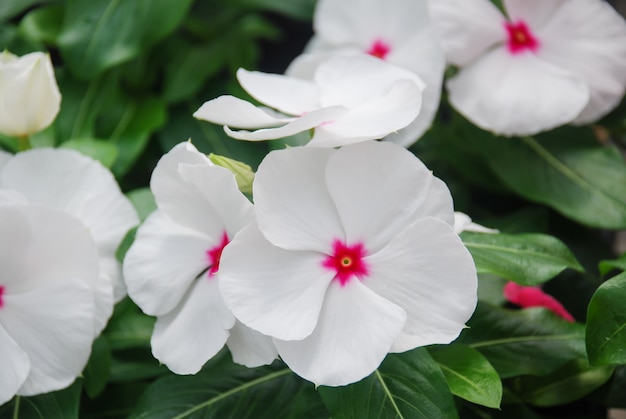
[347,253]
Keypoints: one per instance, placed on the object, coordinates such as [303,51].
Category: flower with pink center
[544,64]
[172,268]
[397,31]
[526,297]
[351,256]
[348,99]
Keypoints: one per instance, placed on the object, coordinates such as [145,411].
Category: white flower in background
[48,265]
[545,64]
[397,31]
[352,256]
[29,96]
[462,222]
[171,269]
[348,99]
[82,187]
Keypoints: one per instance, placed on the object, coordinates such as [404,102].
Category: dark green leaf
[516,342]
[103,151]
[143,201]
[528,259]
[606,323]
[408,385]
[42,24]
[127,241]
[97,371]
[62,404]
[129,327]
[607,266]
[10,8]
[469,375]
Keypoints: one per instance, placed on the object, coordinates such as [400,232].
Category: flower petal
[274,291]
[535,13]
[428,272]
[462,222]
[355,330]
[191,334]
[286,94]
[235,112]
[162,263]
[4,159]
[379,188]
[467,28]
[292,204]
[517,95]
[14,364]
[249,347]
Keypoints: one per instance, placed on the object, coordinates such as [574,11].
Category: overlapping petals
[171,270]
[349,99]
[339,268]
[543,65]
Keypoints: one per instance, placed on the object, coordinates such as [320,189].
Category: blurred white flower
[171,270]
[397,31]
[544,64]
[462,222]
[29,96]
[48,268]
[348,99]
[353,256]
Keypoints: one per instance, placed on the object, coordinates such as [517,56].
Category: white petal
[428,272]
[467,27]
[462,222]
[303,123]
[588,38]
[305,65]
[293,207]
[162,263]
[4,159]
[354,333]
[286,94]
[53,325]
[535,13]
[379,188]
[274,291]
[374,119]
[232,111]
[517,95]
[14,364]
[249,347]
[7,196]
[187,337]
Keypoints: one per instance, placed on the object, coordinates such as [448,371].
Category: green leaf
[97,371]
[243,172]
[516,342]
[528,259]
[607,266]
[42,24]
[606,323]
[571,382]
[100,34]
[573,174]
[298,9]
[62,404]
[143,201]
[469,374]
[127,241]
[10,8]
[103,151]
[129,327]
[223,389]
[408,385]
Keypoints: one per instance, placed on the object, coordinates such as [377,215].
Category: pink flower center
[215,254]
[520,37]
[379,48]
[1,295]
[346,261]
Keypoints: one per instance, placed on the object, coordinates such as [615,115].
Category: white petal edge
[249,347]
[235,112]
[14,364]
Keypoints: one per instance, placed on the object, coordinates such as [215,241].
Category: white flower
[352,256]
[82,187]
[171,268]
[48,265]
[546,64]
[348,99]
[29,95]
[462,222]
[398,31]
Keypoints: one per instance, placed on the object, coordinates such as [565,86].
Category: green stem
[16,409]
[23,143]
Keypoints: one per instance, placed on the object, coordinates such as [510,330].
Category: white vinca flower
[348,99]
[353,256]
[82,187]
[29,96]
[48,268]
[397,31]
[544,64]
[171,269]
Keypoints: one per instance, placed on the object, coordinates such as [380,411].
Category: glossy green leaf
[606,323]
[129,327]
[103,151]
[224,389]
[62,404]
[10,8]
[607,266]
[100,34]
[569,383]
[528,259]
[408,385]
[469,374]
[571,173]
[96,373]
[516,342]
